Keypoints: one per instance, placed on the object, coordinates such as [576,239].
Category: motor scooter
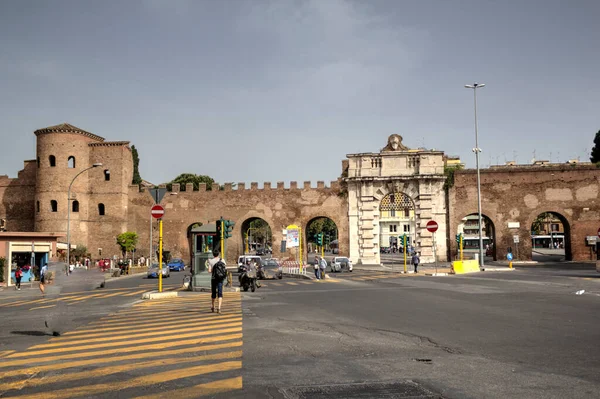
[248,278]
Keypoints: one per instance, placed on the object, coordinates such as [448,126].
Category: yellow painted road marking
[43,307]
[143,320]
[103,360]
[139,381]
[81,298]
[163,326]
[105,352]
[290,283]
[114,369]
[176,334]
[206,389]
[135,293]
[110,295]
[6,353]
[131,342]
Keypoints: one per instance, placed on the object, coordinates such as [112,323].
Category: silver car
[153,271]
[339,263]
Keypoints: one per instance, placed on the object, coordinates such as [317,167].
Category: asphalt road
[522,333]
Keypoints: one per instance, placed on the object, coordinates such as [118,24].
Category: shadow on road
[31,333]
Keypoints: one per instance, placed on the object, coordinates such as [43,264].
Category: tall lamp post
[477,150]
[69,213]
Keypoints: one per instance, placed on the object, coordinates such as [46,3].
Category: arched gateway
[414,178]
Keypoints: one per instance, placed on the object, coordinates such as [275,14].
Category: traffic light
[458,237]
[228,228]
[320,239]
[219,228]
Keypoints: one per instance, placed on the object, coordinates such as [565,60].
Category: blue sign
[509,256]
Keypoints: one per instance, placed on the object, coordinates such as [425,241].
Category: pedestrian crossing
[80,297]
[334,280]
[174,348]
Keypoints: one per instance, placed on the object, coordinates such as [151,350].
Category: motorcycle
[248,279]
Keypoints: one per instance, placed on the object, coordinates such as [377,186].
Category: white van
[244,258]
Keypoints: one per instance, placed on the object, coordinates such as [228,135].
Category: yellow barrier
[465,266]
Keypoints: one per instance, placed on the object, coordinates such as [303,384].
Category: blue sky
[282,90]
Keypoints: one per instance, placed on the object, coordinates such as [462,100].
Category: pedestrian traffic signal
[228,228]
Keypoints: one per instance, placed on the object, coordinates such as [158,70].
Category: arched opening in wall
[75,206]
[397,219]
[550,238]
[257,238]
[101,209]
[321,238]
[106,175]
[469,228]
[52,160]
[53,206]
[71,162]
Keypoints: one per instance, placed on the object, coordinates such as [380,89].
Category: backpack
[219,271]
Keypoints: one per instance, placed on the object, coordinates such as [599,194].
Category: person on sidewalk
[323,266]
[43,272]
[415,261]
[18,276]
[216,282]
[317,273]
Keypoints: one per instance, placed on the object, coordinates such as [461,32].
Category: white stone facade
[419,174]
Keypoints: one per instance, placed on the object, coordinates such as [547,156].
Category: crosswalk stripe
[135,293]
[291,283]
[105,352]
[112,338]
[114,369]
[43,307]
[142,381]
[162,326]
[104,360]
[130,342]
[141,320]
[206,389]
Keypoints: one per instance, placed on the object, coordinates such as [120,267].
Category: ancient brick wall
[17,199]
[520,194]
[279,207]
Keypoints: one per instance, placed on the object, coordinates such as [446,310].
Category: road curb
[507,269]
[436,274]
[160,295]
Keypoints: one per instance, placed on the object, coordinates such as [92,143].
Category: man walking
[323,266]
[415,261]
[43,272]
[218,271]
[317,274]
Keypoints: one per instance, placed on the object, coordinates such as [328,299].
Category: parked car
[244,258]
[153,271]
[176,265]
[260,252]
[339,263]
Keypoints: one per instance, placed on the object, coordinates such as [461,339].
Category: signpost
[157,212]
[294,239]
[510,258]
[516,241]
[432,227]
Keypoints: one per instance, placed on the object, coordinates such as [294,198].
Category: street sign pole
[160,252]
[434,255]
[404,245]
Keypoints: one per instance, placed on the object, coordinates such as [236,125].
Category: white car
[244,258]
[339,263]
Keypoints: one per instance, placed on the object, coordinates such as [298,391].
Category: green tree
[321,225]
[79,252]
[595,155]
[127,241]
[185,178]
[261,231]
[2,263]
[539,224]
[137,179]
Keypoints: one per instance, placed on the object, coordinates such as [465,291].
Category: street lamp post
[69,213]
[477,150]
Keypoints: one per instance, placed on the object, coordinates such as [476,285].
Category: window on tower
[52,160]
[54,206]
[101,209]
[71,162]
[75,206]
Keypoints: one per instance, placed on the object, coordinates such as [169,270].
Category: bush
[2,263]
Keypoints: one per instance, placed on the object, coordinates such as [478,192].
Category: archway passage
[321,238]
[257,237]
[550,238]
[397,220]
[469,228]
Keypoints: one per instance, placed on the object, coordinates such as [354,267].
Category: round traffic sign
[432,226]
[509,256]
[157,211]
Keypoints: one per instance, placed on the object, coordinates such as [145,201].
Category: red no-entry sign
[157,211]
[432,226]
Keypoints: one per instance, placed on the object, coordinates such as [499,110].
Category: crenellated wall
[17,195]
[279,207]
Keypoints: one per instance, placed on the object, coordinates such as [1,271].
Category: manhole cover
[407,389]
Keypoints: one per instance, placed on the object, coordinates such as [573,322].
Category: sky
[276,90]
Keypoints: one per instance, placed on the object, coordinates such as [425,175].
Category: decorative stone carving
[395,144]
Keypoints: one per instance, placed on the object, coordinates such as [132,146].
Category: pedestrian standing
[18,276]
[43,272]
[317,273]
[215,268]
[323,266]
[415,261]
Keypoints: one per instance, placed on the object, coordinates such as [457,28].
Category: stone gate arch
[566,226]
